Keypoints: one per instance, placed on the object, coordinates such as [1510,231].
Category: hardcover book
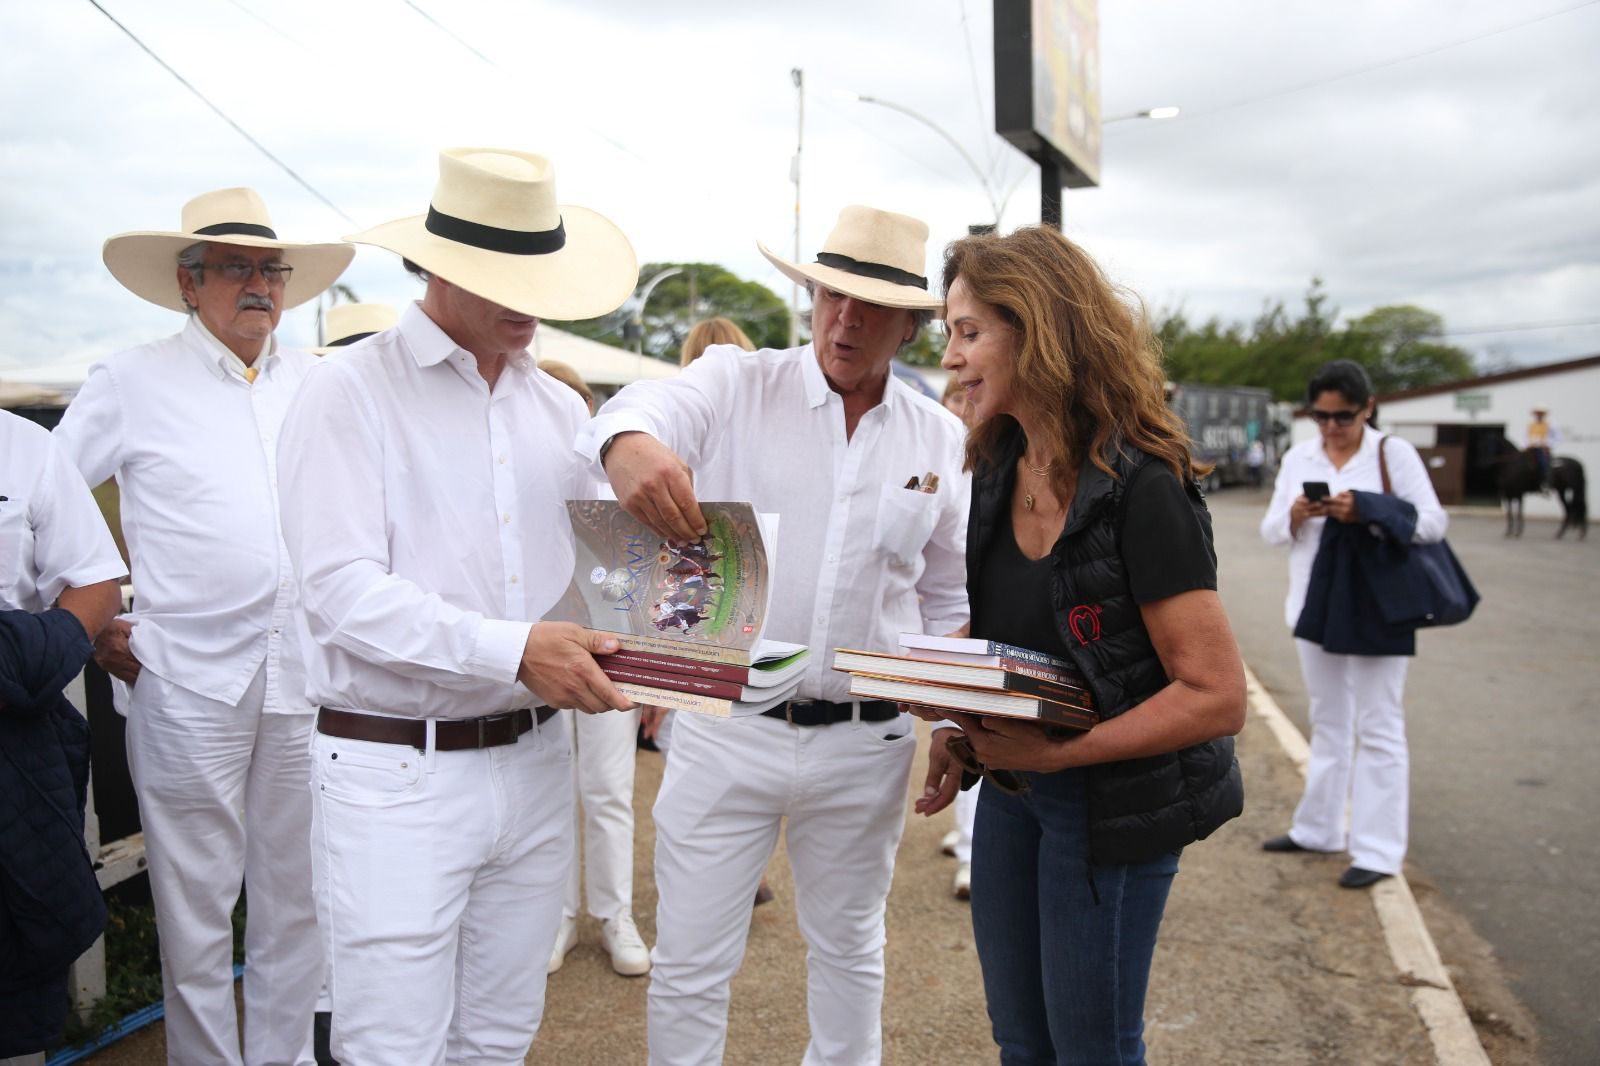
[992,678]
[977,701]
[974,652]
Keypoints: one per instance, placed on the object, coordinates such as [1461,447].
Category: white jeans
[1358,757]
[729,784]
[439,878]
[603,776]
[223,798]
[966,806]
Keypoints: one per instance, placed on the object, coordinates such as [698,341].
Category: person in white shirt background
[957,843]
[425,477]
[218,723]
[1359,759]
[603,770]
[826,437]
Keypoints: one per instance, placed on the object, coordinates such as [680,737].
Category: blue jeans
[1065,946]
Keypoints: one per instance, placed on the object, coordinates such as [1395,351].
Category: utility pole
[799,78]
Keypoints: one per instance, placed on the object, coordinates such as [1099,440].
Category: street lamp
[636,320]
[995,203]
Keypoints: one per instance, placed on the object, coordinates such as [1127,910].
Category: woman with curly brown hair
[1087,539]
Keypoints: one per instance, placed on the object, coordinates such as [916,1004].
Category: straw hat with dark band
[146,261]
[876,256]
[494,228]
[344,324]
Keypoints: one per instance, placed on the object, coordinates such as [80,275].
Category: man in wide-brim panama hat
[425,477]
[219,729]
[828,438]
[345,324]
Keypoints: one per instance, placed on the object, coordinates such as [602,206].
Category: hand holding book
[654,486]
[558,667]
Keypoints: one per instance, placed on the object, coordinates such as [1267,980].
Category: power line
[223,115]
[1366,69]
[977,93]
[1552,324]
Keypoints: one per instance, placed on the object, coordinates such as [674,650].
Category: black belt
[823,712]
[449,734]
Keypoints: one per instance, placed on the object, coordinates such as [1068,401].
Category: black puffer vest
[1138,808]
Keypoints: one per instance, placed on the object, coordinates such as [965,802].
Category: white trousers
[1359,760]
[966,806]
[728,786]
[439,878]
[603,778]
[223,798]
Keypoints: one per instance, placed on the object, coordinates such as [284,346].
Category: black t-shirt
[1166,549]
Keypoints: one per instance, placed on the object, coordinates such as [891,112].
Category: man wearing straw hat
[866,475]
[218,723]
[425,478]
[345,324]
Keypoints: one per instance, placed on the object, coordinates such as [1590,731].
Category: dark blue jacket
[1359,572]
[51,909]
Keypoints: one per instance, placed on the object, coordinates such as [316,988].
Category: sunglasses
[1008,781]
[1338,418]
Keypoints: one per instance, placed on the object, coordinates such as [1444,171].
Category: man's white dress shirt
[1308,461]
[51,533]
[193,446]
[440,535]
[861,558]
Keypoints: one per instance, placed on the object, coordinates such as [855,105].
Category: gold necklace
[1037,471]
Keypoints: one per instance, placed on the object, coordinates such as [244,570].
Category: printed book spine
[1027,655]
[676,664]
[683,649]
[1060,675]
[725,690]
[1047,690]
[678,701]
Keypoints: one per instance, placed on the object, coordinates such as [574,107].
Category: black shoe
[1356,877]
[322,1033]
[1284,843]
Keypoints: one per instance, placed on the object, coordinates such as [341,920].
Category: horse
[1518,474]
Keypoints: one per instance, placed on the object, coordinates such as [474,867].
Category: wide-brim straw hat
[344,324]
[495,229]
[146,261]
[876,256]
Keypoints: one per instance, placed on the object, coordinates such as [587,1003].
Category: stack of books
[689,617]
[976,676]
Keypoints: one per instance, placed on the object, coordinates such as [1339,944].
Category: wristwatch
[606,447]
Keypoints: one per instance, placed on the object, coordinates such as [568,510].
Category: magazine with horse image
[685,606]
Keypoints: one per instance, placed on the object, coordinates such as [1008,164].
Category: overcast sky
[1438,152]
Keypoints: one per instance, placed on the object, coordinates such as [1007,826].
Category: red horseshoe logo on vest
[1084,622]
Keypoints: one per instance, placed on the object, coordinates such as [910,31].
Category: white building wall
[1573,397]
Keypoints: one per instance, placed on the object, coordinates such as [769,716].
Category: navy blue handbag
[1441,593]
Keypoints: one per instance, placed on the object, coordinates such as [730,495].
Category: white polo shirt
[52,536]
[861,558]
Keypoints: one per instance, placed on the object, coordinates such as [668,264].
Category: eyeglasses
[240,271]
[1338,418]
[1008,781]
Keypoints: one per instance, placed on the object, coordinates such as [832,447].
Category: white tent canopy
[596,363]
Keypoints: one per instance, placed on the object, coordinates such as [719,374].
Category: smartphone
[1315,491]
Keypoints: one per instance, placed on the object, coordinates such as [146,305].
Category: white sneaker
[963,882]
[947,843]
[566,940]
[621,939]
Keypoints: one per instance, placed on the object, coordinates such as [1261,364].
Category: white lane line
[1433,995]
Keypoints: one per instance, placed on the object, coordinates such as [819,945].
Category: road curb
[1433,995]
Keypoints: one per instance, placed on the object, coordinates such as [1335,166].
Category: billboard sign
[1047,82]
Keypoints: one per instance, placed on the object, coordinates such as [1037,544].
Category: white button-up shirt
[1307,461]
[193,447]
[51,534]
[427,520]
[860,557]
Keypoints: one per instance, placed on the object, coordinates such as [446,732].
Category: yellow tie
[250,373]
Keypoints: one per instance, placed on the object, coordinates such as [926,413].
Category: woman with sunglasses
[1087,539]
[1358,735]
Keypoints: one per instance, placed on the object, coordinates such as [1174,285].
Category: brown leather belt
[449,734]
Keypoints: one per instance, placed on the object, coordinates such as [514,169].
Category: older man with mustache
[219,729]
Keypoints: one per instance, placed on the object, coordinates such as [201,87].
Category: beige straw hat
[494,228]
[146,261]
[876,256]
[344,324]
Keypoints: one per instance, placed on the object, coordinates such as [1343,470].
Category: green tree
[701,291]
[1402,351]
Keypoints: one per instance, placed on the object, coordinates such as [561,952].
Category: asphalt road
[1504,722]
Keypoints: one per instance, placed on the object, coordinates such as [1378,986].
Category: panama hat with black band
[344,324]
[874,255]
[146,261]
[495,229]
